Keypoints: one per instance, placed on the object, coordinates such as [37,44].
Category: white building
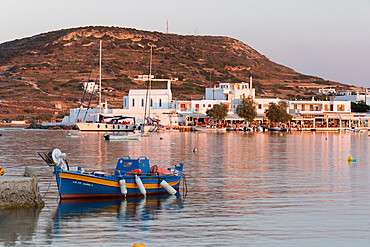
[229,94]
[230,91]
[326,91]
[354,96]
[312,107]
[144,77]
[156,103]
[91,87]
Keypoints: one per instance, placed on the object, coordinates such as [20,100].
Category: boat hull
[73,185]
[130,137]
[106,127]
[208,129]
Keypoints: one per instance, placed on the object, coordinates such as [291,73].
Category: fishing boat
[130,137]
[130,178]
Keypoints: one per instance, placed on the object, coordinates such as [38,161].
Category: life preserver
[135,171]
[1,171]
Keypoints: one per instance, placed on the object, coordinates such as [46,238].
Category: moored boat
[121,123]
[209,129]
[70,135]
[110,137]
[130,178]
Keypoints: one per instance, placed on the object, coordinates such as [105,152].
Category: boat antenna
[100,79]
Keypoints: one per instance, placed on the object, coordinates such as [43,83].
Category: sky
[325,38]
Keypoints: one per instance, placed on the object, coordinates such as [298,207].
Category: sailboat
[106,121]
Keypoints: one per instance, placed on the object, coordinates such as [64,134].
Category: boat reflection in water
[115,211]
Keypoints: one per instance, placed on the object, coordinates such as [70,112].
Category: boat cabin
[125,164]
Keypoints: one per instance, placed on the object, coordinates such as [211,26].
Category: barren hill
[44,73]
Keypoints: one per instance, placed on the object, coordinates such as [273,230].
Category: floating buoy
[351,159]
[168,187]
[140,185]
[1,171]
[161,138]
[139,245]
[122,185]
[281,134]
[195,150]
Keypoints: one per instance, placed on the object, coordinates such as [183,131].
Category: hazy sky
[326,38]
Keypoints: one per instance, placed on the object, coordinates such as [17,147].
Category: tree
[218,112]
[277,113]
[247,109]
[359,106]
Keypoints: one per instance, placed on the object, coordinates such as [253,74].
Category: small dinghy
[130,178]
[130,137]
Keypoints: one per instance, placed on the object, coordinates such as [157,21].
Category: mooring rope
[184,187]
[47,190]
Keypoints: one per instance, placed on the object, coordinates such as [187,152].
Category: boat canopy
[125,164]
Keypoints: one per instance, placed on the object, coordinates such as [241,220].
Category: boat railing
[126,157]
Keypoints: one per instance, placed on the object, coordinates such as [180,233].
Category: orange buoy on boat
[1,171]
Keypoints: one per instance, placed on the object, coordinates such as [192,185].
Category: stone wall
[19,192]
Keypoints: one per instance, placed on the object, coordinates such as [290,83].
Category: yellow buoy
[139,245]
[350,158]
[281,134]
[1,171]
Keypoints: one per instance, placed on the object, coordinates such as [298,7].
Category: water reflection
[18,226]
[258,188]
[124,211]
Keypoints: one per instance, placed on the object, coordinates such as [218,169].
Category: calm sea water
[243,189]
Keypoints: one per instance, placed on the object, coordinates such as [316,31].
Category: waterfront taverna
[158,104]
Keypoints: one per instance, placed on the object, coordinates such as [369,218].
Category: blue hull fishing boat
[130,178]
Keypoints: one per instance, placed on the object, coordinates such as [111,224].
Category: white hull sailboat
[105,127]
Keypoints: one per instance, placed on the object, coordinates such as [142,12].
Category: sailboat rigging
[106,121]
[147,121]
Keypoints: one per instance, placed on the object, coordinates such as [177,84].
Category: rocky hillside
[43,74]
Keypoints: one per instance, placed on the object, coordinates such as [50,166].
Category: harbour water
[243,189]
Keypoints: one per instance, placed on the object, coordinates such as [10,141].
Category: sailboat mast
[100,79]
[150,78]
